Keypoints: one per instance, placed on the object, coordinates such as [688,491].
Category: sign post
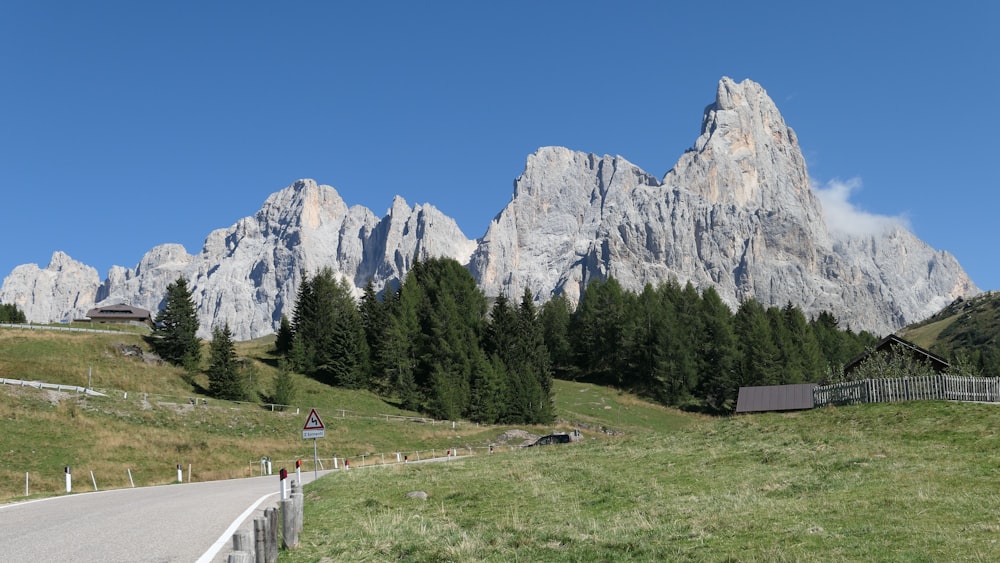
[314,429]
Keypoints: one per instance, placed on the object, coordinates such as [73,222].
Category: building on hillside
[893,344]
[768,398]
[120,313]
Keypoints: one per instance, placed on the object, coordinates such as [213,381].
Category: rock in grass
[417,495]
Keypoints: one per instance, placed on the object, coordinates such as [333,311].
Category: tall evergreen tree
[536,358]
[489,392]
[451,319]
[803,338]
[224,377]
[653,336]
[683,350]
[555,319]
[284,385]
[759,358]
[176,325]
[789,359]
[500,342]
[329,341]
[283,338]
[398,355]
[717,353]
[376,316]
[601,341]
[305,332]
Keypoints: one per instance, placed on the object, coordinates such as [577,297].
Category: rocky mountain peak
[735,212]
[745,154]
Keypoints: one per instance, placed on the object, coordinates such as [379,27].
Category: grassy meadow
[900,482]
[146,425]
[893,482]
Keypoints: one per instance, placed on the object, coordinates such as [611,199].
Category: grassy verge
[881,482]
[146,424]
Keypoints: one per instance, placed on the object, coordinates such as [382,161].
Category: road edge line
[214,549]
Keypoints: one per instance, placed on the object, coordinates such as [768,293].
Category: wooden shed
[767,398]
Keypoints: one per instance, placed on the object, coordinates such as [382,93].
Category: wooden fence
[931,387]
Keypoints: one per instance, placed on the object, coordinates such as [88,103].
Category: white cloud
[844,218]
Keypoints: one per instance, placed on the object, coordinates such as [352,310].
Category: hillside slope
[966,330]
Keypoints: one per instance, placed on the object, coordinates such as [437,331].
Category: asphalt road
[183,522]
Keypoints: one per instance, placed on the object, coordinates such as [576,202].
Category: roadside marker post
[69,481]
[180,474]
[283,476]
[298,471]
[314,428]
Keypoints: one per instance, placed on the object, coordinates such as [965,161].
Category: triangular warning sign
[313,422]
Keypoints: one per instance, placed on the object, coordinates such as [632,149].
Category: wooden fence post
[272,534]
[260,540]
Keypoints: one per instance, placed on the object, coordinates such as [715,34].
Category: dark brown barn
[119,313]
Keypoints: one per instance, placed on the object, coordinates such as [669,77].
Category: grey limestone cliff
[736,212]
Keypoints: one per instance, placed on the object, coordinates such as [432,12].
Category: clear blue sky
[129,124]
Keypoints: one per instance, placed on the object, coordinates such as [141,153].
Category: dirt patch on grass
[516,438]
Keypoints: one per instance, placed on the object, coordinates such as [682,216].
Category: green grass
[146,425]
[910,482]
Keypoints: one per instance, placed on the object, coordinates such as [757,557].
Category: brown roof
[893,342]
[775,398]
[119,311]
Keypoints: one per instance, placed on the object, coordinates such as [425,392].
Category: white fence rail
[55,386]
[932,387]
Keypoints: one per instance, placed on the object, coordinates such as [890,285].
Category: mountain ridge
[736,212]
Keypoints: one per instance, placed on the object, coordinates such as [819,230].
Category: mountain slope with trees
[967,331]
[435,345]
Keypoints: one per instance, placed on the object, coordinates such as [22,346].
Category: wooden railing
[931,387]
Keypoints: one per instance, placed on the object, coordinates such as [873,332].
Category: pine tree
[398,355]
[683,350]
[329,342]
[224,376]
[600,342]
[803,338]
[283,338]
[441,298]
[9,313]
[452,322]
[535,360]
[789,366]
[759,362]
[717,357]
[555,319]
[376,316]
[500,344]
[174,336]
[284,386]
[489,393]
[654,324]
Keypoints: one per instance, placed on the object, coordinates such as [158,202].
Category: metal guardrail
[27,326]
[54,386]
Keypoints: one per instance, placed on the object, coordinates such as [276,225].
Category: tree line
[10,314]
[438,345]
[435,344]
[686,348]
